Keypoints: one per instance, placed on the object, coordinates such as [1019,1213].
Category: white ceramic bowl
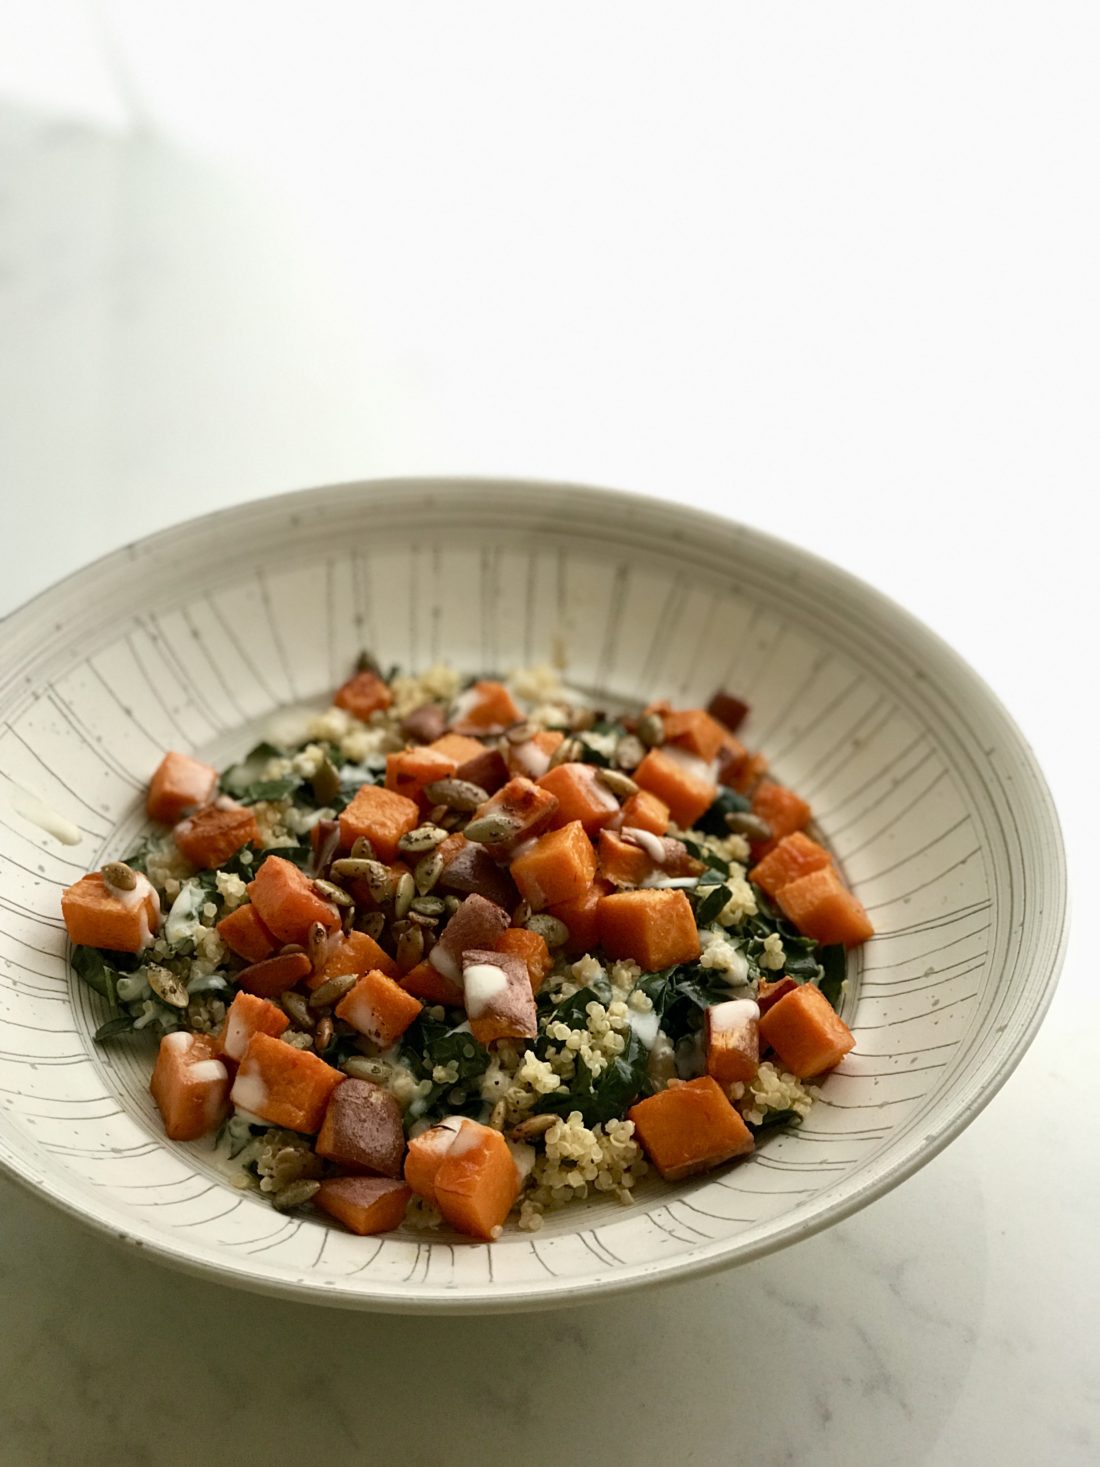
[921,783]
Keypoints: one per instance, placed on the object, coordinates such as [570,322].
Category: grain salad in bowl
[462,952]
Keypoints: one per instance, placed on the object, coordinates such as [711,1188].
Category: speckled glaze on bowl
[921,784]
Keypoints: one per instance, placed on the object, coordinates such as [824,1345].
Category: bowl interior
[193,639]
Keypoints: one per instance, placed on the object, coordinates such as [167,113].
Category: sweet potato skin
[365,1205]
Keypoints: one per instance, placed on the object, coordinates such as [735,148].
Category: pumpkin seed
[325,1034]
[744,822]
[651,730]
[427,871]
[520,733]
[294,1195]
[410,947]
[492,829]
[361,849]
[437,814]
[532,1127]
[552,930]
[403,894]
[456,794]
[429,906]
[332,893]
[166,985]
[371,923]
[452,904]
[380,879]
[296,1008]
[423,838]
[332,990]
[120,876]
[621,785]
[567,752]
[317,943]
[582,719]
[521,914]
[496,1116]
[629,751]
[361,1068]
[325,782]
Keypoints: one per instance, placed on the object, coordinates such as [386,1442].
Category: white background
[830,269]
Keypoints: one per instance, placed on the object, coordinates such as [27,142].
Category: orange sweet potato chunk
[695,730]
[409,771]
[274,975]
[363,694]
[99,916]
[580,796]
[484,708]
[581,916]
[365,1205]
[644,811]
[179,784]
[794,856]
[559,867]
[524,807]
[211,835]
[477,1182]
[621,863]
[822,907]
[356,953]
[379,1008]
[427,983]
[283,1085]
[380,815]
[531,758]
[682,780]
[531,947]
[733,1041]
[286,902]
[805,1031]
[249,1015]
[244,933]
[426,1152]
[190,1085]
[459,748]
[656,928]
[784,811]
[690,1128]
[745,777]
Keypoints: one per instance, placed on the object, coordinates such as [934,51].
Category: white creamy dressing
[530,760]
[208,1072]
[237,1035]
[290,726]
[482,983]
[646,1026]
[699,771]
[463,1028]
[523,848]
[358,1011]
[659,881]
[734,1014]
[444,963]
[178,1042]
[249,1093]
[616,822]
[184,919]
[653,845]
[464,704]
[601,791]
[523,1155]
[466,1138]
[142,898]
[44,816]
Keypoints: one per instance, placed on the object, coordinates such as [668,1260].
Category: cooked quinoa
[422,949]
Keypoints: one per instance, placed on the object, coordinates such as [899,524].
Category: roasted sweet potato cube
[408,772]
[580,796]
[477,1182]
[363,1130]
[426,1152]
[690,1128]
[559,867]
[274,975]
[581,916]
[459,748]
[365,1205]
[822,907]
[622,863]
[733,1041]
[656,928]
[497,996]
[244,933]
[746,775]
[427,983]
[363,694]
[179,784]
[248,1015]
[379,1008]
[807,1034]
[686,783]
[784,811]
[531,947]
[645,811]
[99,915]
[794,856]
[487,707]
[356,953]
[695,730]
[190,1085]
[283,1085]
[380,815]
[532,757]
[477,923]
[731,712]
[211,835]
[769,994]
[286,902]
[470,868]
[523,810]
[487,768]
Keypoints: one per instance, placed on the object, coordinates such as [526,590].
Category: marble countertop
[175,335]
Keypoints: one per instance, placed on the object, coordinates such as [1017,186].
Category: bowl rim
[560,1293]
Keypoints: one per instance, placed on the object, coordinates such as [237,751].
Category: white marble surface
[176,333]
